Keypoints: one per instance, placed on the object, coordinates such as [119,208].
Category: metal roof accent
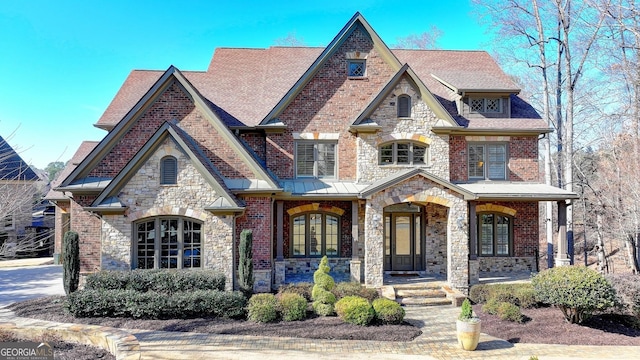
[318,187]
[12,166]
[513,191]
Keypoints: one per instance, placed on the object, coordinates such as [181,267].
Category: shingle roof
[83,150]
[12,167]
[243,85]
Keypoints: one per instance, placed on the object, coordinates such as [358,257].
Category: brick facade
[328,104]
[522,152]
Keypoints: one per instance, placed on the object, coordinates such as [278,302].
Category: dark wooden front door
[403,241]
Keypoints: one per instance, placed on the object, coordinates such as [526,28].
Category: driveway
[21,283]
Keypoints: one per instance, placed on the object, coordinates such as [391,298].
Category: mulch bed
[546,325]
[331,328]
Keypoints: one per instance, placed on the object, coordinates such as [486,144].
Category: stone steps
[431,293]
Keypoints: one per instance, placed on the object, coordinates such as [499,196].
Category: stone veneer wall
[417,190]
[416,128]
[146,198]
[507,264]
[435,251]
[310,265]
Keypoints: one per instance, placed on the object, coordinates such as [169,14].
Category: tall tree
[554,37]
[53,168]
[291,39]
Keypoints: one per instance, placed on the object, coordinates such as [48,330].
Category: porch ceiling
[517,191]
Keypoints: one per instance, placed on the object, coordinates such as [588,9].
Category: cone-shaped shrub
[245,268]
[71,262]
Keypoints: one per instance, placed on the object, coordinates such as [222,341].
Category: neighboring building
[383,160]
[19,191]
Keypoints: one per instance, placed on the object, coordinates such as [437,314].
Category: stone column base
[356,270]
[262,281]
[474,272]
[563,262]
[280,273]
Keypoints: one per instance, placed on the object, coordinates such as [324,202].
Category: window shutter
[169,171]
[404,106]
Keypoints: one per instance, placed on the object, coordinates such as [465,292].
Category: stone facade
[147,199]
[417,190]
[507,264]
[415,129]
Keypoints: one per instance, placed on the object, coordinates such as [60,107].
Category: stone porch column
[355,266]
[474,262]
[561,258]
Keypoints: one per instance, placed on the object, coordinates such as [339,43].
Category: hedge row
[156,305]
[159,280]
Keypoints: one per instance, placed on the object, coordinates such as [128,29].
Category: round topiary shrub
[388,311]
[576,290]
[355,310]
[292,306]
[325,281]
[262,308]
[491,307]
[508,311]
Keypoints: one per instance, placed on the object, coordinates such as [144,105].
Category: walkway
[438,341]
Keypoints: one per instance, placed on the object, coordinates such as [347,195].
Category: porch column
[473,231]
[279,230]
[474,262]
[561,258]
[279,263]
[355,267]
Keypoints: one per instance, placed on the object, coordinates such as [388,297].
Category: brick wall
[172,104]
[256,217]
[256,142]
[87,226]
[61,218]
[328,104]
[523,158]
[345,225]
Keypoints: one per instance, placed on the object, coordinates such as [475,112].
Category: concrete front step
[423,301]
[429,293]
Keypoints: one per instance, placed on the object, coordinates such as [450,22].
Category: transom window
[356,68]
[315,235]
[495,234]
[316,159]
[403,153]
[168,170]
[488,161]
[404,106]
[485,105]
[168,243]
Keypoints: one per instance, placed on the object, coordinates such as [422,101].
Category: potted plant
[468,327]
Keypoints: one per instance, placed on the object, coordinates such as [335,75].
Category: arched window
[315,235]
[495,234]
[168,171]
[403,153]
[167,242]
[404,106]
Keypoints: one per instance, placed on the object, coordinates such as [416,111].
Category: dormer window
[404,106]
[168,171]
[485,105]
[356,68]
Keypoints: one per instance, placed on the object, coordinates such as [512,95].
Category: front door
[403,231]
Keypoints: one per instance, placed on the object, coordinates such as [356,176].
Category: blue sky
[63,61]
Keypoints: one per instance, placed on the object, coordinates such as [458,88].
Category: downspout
[273,264]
